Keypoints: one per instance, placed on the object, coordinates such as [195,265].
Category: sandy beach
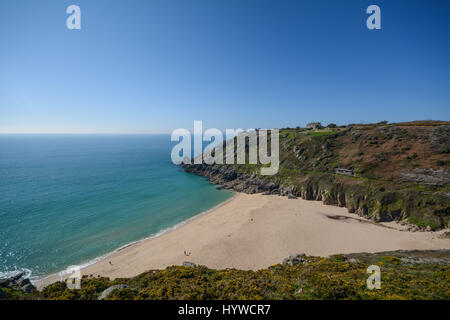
[257,231]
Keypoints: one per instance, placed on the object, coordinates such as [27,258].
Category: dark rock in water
[17,276]
[189,264]
[108,291]
[295,260]
[3,295]
[17,281]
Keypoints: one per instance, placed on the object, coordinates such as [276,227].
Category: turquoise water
[67,199]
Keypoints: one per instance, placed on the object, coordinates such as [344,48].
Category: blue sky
[156,65]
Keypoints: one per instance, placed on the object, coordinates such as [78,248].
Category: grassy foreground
[404,275]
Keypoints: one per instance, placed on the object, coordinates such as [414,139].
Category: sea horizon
[97,193]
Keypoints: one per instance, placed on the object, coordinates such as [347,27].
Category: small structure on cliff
[348,172]
[314,125]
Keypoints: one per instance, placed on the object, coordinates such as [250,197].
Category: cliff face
[394,172]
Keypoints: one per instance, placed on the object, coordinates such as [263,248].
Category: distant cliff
[380,171]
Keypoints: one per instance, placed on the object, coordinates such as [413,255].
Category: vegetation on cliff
[404,275]
[395,171]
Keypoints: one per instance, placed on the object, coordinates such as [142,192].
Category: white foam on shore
[84,265]
[12,273]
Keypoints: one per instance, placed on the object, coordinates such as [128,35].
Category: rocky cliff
[396,172]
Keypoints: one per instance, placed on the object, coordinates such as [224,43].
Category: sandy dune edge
[257,231]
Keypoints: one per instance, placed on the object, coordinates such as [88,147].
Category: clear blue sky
[157,65]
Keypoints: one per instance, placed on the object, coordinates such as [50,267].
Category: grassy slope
[423,275]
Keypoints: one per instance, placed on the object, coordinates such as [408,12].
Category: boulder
[295,260]
[288,190]
[189,264]
[28,288]
[351,260]
[17,276]
[23,282]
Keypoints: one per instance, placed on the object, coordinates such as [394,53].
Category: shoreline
[254,232]
[61,274]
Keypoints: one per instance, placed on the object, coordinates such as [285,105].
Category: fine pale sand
[257,231]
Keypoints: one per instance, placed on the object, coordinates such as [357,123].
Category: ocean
[68,199]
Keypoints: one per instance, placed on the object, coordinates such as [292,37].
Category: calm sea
[67,199]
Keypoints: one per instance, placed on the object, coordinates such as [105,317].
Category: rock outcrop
[228,178]
[18,281]
[295,260]
[189,264]
[428,176]
[440,139]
